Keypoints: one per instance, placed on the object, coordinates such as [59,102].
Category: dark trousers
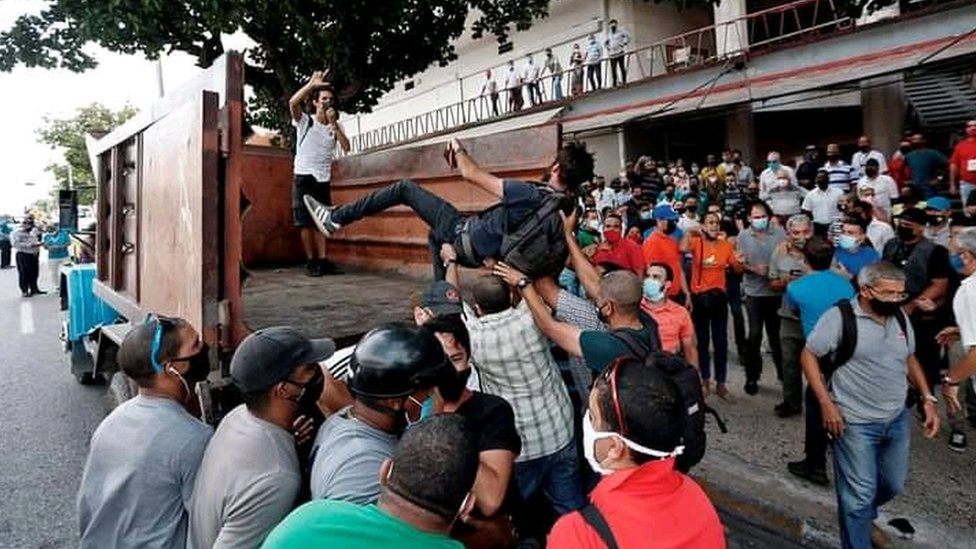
[494,104]
[28,269]
[535,92]
[594,77]
[733,283]
[763,312]
[815,437]
[927,349]
[442,218]
[792,343]
[617,63]
[4,254]
[710,313]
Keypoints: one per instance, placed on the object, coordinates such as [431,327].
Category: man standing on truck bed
[315,147]
[478,237]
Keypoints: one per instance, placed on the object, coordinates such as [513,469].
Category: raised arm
[473,173]
[295,103]
[565,335]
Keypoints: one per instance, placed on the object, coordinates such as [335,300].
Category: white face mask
[591,435]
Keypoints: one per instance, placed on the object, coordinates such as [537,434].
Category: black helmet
[395,360]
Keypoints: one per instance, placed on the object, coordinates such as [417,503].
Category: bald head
[623,289]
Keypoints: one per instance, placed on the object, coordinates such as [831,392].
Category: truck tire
[82,365]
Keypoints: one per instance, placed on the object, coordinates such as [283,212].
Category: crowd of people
[585,72]
[26,241]
[519,416]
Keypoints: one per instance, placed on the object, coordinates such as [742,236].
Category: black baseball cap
[442,298]
[268,356]
[916,215]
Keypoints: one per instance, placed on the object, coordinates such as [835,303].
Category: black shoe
[802,469]
[38,292]
[957,441]
[785,409]
[312,269]
[752,387]
[25,294]
[327,267]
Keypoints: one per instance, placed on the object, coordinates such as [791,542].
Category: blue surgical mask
[773,165]
[426,410]
[653,289]
[760,224]
[956,261]
[847,242]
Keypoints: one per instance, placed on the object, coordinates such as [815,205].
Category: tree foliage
[68,134]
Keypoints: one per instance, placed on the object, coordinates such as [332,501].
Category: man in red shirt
[661,247]
[962,165]
[630,436]
[617,250]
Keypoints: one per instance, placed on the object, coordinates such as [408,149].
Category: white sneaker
[321,215]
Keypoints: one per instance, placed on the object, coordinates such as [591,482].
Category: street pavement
[46,422]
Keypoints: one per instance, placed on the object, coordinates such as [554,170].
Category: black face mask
[906,234]
[199,366]
[864,148]
[672,225]
[822,185]
[833,157]
[884,308]
[453,386]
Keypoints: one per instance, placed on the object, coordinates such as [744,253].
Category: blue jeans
[557,87]
[557,475]
[710,314]
[870,465]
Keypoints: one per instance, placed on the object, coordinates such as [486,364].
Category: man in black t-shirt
[475,238]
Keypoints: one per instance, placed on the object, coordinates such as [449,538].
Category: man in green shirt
[426,488]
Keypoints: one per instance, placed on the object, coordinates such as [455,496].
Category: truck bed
[341,307]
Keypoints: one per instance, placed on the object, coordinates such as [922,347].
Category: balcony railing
[802,20]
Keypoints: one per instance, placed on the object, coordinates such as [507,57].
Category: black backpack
[848,338]
[686,378]
[537,247]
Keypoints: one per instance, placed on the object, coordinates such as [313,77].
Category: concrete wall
[605,147]
[883,111]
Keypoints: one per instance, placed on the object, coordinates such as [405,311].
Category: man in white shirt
[513,85]
[884,187]
[769,178]
[489,91]
[317,136]
[530,75]
[605,196]
[963,246]
[594,55]
[865,152]
[616,44]
[878,232]
[821,203]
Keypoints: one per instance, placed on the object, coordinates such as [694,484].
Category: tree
[68,134]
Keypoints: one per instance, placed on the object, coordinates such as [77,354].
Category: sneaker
[327,267]
[957,441]
[802,469]
[321,215]
[784,410]
[751,388]
[312,269]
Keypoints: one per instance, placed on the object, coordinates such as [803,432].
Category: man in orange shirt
[630,436]
[617,250]
[674,324]
[711,255]
[661,247]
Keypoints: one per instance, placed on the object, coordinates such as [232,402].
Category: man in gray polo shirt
[144,456]
[250,476]
[863,403]
[755,246]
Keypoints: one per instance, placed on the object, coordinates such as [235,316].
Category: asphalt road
[45,423]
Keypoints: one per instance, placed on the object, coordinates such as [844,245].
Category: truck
[194,220]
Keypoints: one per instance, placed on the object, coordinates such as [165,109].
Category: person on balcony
[530,75]
[489,91]
[616,43]
[555,69]
[513,85]
[317,137]
[594,56]
[478,237]
[576,63]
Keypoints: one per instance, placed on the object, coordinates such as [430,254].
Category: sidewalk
[744,471]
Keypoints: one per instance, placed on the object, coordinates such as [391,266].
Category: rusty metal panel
[177,216]
[268,233]
[396,238]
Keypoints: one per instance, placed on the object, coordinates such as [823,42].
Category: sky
[28,95]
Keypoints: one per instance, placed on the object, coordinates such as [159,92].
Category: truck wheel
[82,365]
[87,378]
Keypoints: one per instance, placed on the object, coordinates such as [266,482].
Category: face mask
[773,164]
[653,289]
[612,235]
[833,157]
[760,224]
[956,261]
[906,233]
[592,225]
[691,208]
[799,243]
[647,216]
[672,225]
[426,410]
[847,242]
[937,219]
[872,172]
[904,150]
[662,171]
[591,435]
[884,308]
[199,365]
[822,185]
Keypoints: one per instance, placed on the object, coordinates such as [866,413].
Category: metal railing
[798,21]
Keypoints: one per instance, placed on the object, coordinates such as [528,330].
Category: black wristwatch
[946,380]
[523,282]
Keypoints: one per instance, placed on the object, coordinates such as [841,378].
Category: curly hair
[575,166]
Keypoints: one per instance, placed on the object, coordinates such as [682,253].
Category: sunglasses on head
[610,376]
[161,323]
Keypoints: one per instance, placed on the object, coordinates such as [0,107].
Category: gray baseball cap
[268,356]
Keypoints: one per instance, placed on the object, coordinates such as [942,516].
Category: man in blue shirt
[56,242]
[811,296]
[853,251]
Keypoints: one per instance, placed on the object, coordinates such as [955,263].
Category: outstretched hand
[509,274]
[448,253]
[320,77]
